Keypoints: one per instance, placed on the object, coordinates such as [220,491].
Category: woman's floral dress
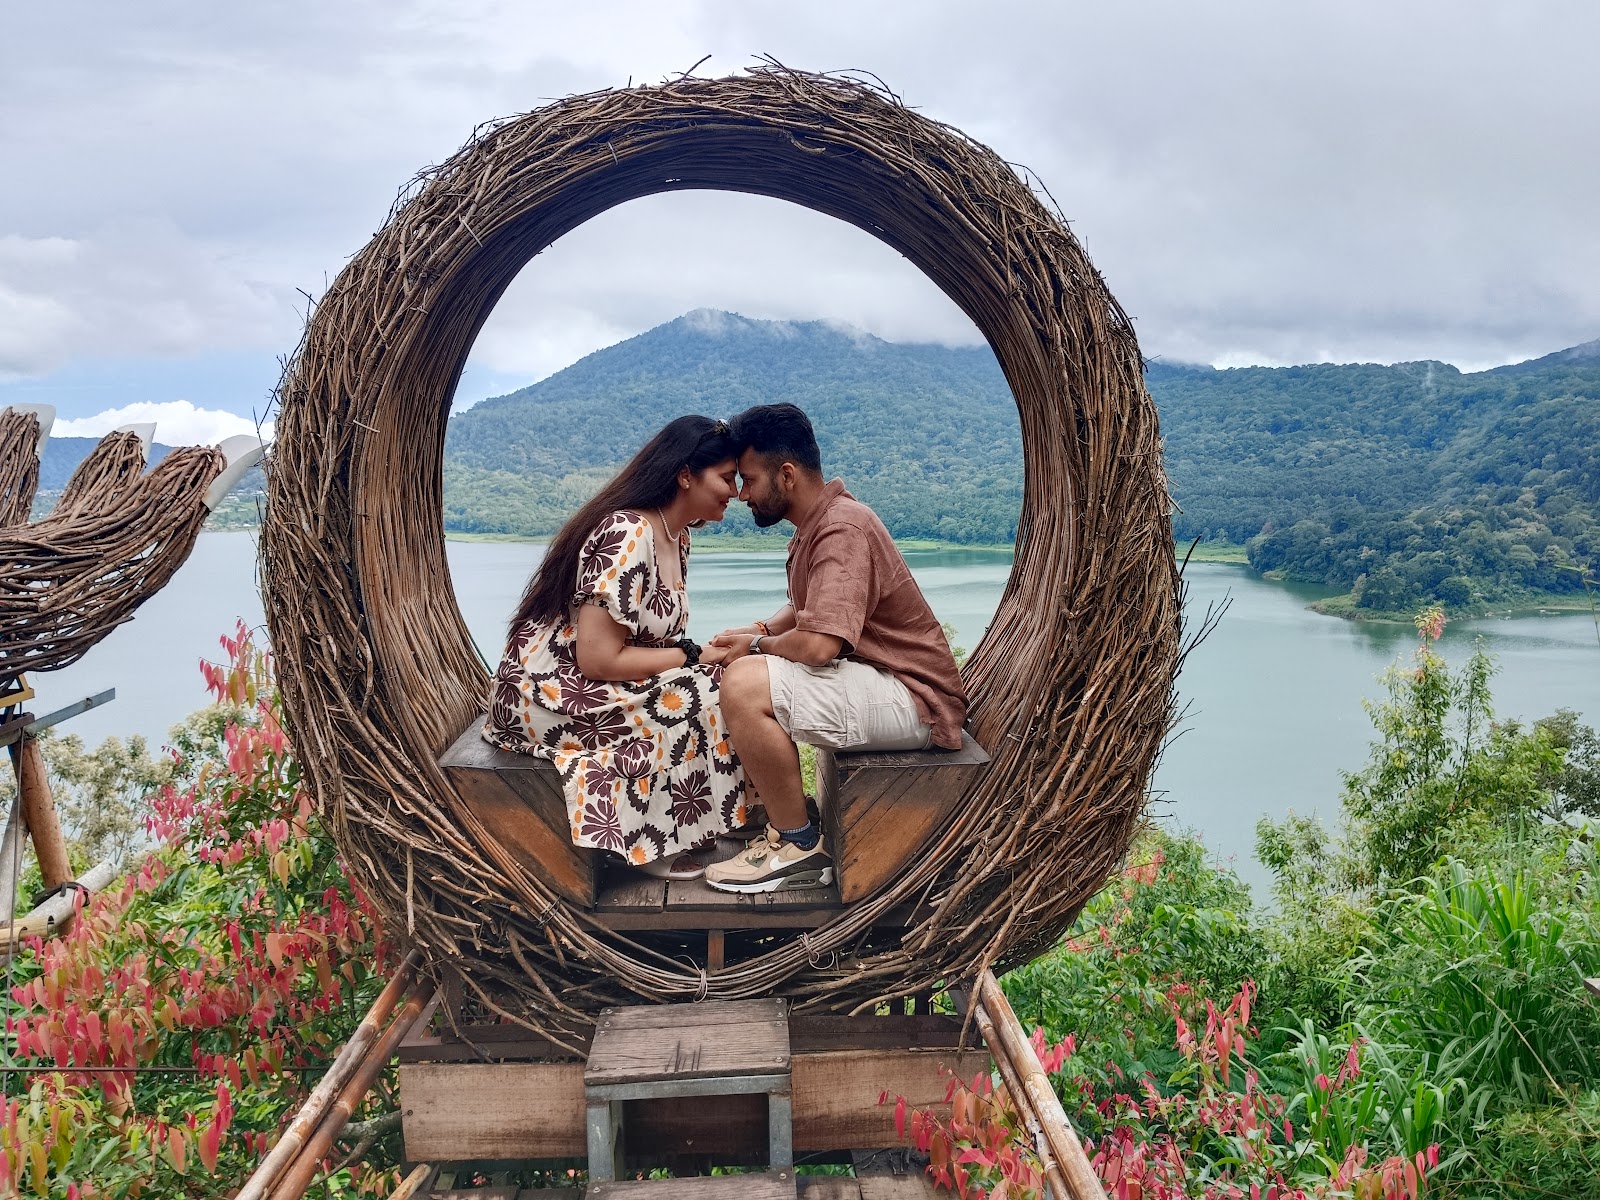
[645,764]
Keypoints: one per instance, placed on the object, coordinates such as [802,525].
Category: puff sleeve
[616,568]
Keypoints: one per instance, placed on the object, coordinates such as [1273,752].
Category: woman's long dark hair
[649,481]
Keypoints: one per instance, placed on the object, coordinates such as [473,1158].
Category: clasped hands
[728,645]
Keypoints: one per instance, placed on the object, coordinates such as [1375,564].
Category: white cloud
[128,287]
[663,256]
[1256,180]
[178,423]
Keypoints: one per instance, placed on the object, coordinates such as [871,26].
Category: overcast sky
[1259,182]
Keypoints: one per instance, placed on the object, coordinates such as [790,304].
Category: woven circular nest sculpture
[1071,687]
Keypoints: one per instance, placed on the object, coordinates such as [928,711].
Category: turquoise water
[1273,697]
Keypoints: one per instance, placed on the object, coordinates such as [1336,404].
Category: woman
[598,676]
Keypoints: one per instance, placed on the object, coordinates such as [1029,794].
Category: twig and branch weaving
[1072,686]
[115,537]
[19,464]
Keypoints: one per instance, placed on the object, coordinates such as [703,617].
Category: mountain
[62,455]
[927,435]
[1398,483]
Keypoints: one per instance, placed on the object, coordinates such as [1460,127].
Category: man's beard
[768,510]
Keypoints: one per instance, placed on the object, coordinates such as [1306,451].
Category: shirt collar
[831,491]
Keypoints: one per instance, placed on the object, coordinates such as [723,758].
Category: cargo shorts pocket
[813,704]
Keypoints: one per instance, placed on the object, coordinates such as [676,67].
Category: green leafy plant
[161,1042]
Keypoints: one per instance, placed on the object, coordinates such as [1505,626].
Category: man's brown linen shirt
[847,579]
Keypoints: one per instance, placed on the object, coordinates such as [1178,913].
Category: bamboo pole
[54,914]
[344,1066]
[1041,1144]
[412,1183]
[296,1177]
[1082,1183]
[11,860]
[39,813]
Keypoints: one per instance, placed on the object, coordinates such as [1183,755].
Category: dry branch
[19,464]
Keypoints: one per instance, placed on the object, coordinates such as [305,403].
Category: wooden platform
[534,1093]
[682,1042]
[758,1185]
[628,900]
[711,1051]
[890,1174]
[879,810]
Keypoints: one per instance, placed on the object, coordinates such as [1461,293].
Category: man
[855,660]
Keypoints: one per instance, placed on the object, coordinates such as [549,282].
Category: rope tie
[813,956]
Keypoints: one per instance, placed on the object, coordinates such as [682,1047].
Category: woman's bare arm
[603,651]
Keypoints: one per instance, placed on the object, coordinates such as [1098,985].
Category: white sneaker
[770,864]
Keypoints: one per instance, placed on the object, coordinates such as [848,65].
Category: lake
[1273,696]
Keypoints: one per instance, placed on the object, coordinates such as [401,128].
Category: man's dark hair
[778,432]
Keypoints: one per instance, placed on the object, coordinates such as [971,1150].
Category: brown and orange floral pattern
[646,764]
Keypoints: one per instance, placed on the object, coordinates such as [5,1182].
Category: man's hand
[730,644]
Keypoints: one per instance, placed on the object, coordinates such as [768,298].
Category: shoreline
[1555,605]
[719,542]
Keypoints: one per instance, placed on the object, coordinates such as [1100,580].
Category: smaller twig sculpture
[115,537]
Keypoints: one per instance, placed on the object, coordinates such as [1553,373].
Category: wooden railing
[1066,1167]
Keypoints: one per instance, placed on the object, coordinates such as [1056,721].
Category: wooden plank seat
[518,799]
[879,810]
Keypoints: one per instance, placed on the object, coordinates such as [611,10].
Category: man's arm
[797,645]
[735,642]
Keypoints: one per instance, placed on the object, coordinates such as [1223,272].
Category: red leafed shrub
[164,1039]
[1211,1131]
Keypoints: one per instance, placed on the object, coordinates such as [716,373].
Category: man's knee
[746,691]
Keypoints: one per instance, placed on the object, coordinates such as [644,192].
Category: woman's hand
[729,645]
[712,655]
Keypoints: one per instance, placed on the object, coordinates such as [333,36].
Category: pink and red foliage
[1205,1138]
[238,953]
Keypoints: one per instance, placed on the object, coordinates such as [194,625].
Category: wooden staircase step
[762,1185]
[669,1044]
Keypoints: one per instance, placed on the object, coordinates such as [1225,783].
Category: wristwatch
[755,643]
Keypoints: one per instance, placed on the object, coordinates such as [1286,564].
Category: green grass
[1213,552]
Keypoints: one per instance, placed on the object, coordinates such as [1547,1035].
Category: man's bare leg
[771,761]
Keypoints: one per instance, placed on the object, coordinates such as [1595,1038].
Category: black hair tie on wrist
[691,652]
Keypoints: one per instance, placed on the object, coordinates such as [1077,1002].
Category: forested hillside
[927,435]
[1398,483]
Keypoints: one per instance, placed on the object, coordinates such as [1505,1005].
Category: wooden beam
[458,1112]
[26,724]
[56,913]
[39,813]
